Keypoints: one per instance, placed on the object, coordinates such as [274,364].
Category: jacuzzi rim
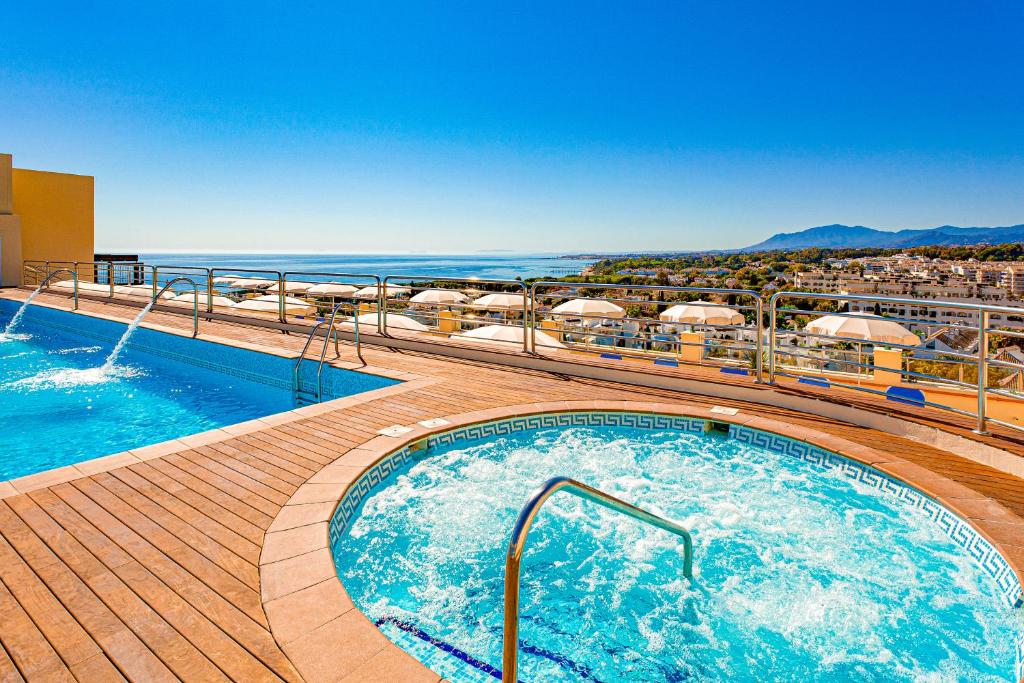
[359,468]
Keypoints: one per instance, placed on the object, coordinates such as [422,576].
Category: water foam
[69,378]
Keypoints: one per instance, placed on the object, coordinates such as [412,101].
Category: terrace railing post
[533,316]
[759,343]
[382,300]
[982,369]
[772,333]
[110,277]
[209,290]
[281,281]
[529,339]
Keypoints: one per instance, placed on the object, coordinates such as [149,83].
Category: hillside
[858,236]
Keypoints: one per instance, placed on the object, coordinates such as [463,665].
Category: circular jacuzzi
[807,565]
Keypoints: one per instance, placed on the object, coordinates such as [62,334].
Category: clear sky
[547,126]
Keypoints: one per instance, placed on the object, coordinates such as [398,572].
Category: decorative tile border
[245,364]
[988,559]
[961,532]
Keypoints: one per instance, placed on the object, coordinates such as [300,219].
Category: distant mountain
[857,236]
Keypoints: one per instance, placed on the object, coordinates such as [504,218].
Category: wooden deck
[151,571]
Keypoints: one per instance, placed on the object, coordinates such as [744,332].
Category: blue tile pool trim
[988,559]
[252,366]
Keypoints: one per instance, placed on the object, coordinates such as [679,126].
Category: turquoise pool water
[58,408]
[802,572]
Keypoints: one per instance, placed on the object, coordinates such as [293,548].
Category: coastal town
[970,275]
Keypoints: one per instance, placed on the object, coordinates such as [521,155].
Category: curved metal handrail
[195,300]
[331,329]
[305,348]
[74,277]
[510,644]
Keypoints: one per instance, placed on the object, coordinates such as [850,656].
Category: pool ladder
[510,644]
[306,397]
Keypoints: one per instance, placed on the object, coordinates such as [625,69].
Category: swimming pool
[808,566]
[57,408]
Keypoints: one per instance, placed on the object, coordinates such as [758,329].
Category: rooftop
[207,558]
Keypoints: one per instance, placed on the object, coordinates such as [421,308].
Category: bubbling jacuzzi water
[800,574]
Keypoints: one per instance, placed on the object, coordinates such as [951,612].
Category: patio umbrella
[702,313]
[507,334]
[224,280]
[439,296]
[501,302]
[589,308]
[395,322]
[187,298]
[84,286]
[136,290]
[871,329]
[332,289]
[291,287]
[253,283]
[270,304]
[371,292]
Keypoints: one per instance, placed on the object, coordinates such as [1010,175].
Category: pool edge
[316,502]
[112,461]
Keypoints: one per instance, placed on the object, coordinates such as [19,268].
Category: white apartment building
[1013,280]
[958,287]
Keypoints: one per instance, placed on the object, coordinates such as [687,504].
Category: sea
[504,266]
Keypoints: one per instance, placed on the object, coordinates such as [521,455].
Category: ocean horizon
[503,266]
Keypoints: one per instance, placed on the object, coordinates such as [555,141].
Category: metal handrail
[302,355]
[241,271]
[758,307]
[980,359]
[520,532]
[331,329]
[984,320]
[195,300]
[469,282]
[180,270]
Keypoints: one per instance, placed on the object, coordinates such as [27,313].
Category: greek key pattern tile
[958,530]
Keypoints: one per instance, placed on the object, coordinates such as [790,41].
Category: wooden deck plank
[27,646]
[65,635]
[145,537]
[211,509]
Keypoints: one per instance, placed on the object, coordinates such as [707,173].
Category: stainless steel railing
[640,333]
[331,330]
[469,289]
[517,544]
[356,280]
[655,297]
[980,360]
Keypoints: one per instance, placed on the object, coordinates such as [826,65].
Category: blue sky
[454,127]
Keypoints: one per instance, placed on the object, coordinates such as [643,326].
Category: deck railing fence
[635,322]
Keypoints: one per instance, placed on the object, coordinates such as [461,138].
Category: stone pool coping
[327,637]
[86,468]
